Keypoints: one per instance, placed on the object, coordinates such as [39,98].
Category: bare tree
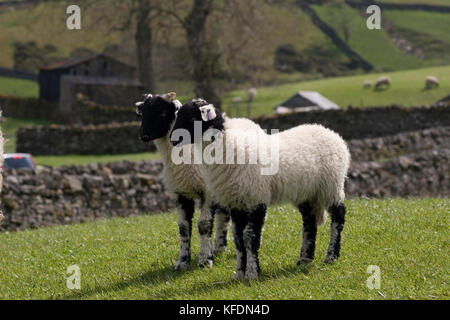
[143,39]
[204,59]
[135,16]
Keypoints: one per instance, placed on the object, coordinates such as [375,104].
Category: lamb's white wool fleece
[185,179]
[313,163]
[431,81]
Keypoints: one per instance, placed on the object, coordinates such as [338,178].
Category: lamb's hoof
[239,275]
[251,275]
[304,261]
[182,265]
[330,259]
[206,263]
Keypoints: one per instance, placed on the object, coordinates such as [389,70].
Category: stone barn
[95,65]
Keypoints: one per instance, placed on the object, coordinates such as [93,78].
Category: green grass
[19,87]
[407,89]
[433,2]
[133,258]
[376,46]
[432,23]
[429,31]
[76,159]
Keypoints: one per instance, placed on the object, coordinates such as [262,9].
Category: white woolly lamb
[313,163]
[382,82]
[185,180]
[431,82]
[367,84]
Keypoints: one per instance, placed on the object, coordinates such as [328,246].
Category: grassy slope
[406,89]
[46,23]
[375,46]
[429,31]
[433,2]
[133,258]
[432,23]
[18,87]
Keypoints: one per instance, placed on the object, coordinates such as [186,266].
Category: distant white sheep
[252,94]
[431,82]
[367,84]
[382,82]
[313,163]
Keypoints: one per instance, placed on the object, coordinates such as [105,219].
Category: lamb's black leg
[186,208]
[240,220]
[205,228]
[252,240]
[222,223]
[309,234]
[337,213]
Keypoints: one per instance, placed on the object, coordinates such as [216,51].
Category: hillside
[277,27]
[407,89]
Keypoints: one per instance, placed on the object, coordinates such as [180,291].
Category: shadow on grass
[156,277]
[153,277]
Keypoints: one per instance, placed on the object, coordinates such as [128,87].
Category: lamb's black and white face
[157,114]
[196,110]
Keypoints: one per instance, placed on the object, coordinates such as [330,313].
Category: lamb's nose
[145,138]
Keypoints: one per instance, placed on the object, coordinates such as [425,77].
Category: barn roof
[305,101]
[74,61]
[70,62]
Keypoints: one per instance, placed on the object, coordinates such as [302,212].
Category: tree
[204,59]
[143,39]
[129,14]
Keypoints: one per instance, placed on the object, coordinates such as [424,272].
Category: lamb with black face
[157,115]
[188,114]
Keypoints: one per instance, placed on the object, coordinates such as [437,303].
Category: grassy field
[433,2]
[407,89]
[375,46]
[429,31]
[133,258]
[18,87]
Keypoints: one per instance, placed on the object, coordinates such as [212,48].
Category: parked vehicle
[18,161]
